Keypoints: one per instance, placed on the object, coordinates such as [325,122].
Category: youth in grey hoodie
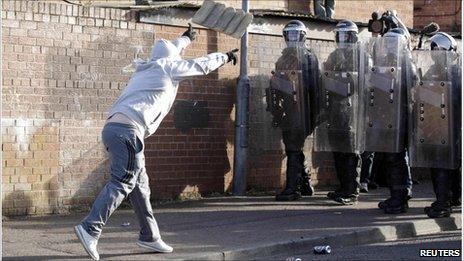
[151,91]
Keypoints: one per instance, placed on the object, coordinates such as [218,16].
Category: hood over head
[167,49]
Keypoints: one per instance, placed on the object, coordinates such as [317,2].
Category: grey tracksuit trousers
[128,178]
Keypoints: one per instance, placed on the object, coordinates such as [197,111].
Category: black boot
[427,209]
[456,200]
[288,194]
[350,196]
[398,181]
[434,212]
[441,180]
[335,194]
[397,203]
[293,172]
[347,199]
[384,204]
[305,181]
[437,211]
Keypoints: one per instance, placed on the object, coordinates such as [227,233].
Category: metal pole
[241,117]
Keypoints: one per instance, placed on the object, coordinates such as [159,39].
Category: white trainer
[157,246]
[89,242]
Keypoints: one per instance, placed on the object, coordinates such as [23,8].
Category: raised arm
[202,65]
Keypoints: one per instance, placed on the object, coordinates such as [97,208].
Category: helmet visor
[345,37]
[435,47]
[442,41]
[293,36]
[341,37]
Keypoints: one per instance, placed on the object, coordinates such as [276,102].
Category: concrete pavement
[403,249]
[230,228]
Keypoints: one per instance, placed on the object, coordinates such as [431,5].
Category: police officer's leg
[398,179]
[293,141]
[306,188]
[340,168]
[409,180]
[441,179]
[330,8]
[352,174]
[456,187]
[367,158]
[319,9]
[381,167]
[349,194]
[379,171]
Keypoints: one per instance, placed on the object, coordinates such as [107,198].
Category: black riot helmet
[443,41]
[295,33]
[346,32]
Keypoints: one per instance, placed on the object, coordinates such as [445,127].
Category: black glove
[232,56]
[190,33]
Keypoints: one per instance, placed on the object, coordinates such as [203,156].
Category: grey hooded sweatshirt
[151,91]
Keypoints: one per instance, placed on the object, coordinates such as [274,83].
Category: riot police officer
[389,75]
[288,99]
[338,110]
[435,120]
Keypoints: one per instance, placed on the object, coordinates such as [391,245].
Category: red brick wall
[63,66]
[60,75]
[447,13]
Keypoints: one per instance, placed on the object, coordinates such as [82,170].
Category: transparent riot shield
[338,105]
[434,111]
[263,136]
[385,107]
[288,96]
[281,79]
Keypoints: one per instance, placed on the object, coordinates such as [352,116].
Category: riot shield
[385,107]
[262,136]
[281,79]
[288,93]
[434,110]
[338,105]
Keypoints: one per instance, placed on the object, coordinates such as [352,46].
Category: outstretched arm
[198,66]
[203,65]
